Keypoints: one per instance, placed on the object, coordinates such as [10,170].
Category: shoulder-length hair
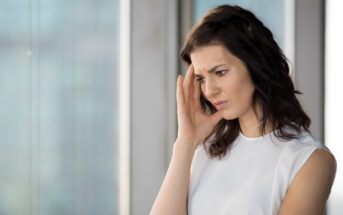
[247,38]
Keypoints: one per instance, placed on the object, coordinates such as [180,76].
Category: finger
[187,85]
[216,117]
[196,93]
[180,100]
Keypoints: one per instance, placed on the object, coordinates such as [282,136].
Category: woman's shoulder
[297,152]
[312,179]
[305,141]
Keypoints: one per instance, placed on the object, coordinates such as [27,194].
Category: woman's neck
[250,124]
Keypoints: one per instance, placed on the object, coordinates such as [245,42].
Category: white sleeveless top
[253,177]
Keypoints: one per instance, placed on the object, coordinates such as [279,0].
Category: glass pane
[59,109]
[14,108]
[270,12]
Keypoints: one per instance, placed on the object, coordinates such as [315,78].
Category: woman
[243,144]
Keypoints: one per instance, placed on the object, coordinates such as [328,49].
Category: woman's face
[224,80]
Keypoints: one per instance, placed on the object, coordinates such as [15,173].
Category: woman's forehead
[205,58]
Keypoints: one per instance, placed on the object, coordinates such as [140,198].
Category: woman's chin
[229,116]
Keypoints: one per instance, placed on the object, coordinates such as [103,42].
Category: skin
[230,81]
[310,188]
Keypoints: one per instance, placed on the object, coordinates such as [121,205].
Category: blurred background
[87,95]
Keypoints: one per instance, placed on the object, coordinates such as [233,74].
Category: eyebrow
[211,70]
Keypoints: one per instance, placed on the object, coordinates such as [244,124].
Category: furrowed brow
[209,71]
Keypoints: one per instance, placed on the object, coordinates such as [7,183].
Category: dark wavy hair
[247,38]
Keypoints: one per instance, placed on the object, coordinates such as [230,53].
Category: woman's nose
[211,88]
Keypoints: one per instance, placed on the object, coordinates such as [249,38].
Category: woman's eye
[221,73]
[201,80]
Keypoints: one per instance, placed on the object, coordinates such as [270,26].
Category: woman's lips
[220,105]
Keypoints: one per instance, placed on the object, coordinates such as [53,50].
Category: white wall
[333,97]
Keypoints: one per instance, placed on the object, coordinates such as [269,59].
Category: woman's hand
[193,124]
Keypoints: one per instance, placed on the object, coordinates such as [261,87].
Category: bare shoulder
[321,161]
[311,186]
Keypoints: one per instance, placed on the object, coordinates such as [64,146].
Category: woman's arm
[311,186]
[172,197]
[193,127]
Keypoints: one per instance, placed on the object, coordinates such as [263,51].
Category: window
[58,90]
